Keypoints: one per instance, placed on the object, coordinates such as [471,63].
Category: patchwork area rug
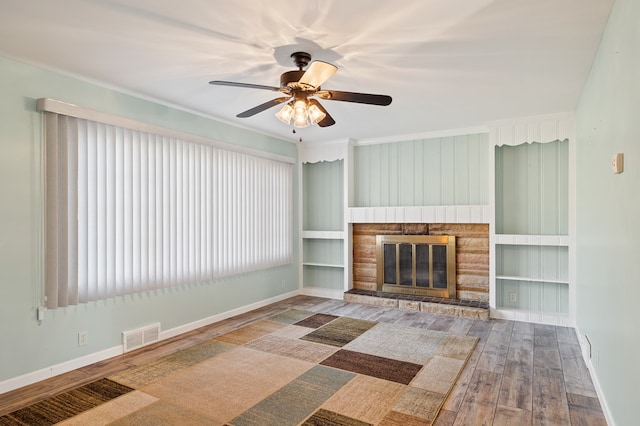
[295,368]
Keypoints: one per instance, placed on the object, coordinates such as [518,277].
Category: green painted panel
[428,172]
[323,277]
[539,262]
[323,194]
[533,296]
[323,251]
[532,188]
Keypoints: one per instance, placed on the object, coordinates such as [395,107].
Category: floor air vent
[134,339]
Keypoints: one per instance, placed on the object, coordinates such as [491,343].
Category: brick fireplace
[472,254]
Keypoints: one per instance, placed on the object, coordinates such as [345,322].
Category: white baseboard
[328,293]
[224,315]
[54,370]
[65,367]
[594,377]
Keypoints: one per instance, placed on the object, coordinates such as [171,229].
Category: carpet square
[439,374]
[374,366]
[140,376]
[339,332]
[399,342]
[365,398]
[291,316]
[250,332]
[317,320]
[393,418]
[111,410]
[163,414]
[324,417]
[454,346]
[68,404]
[327,378]
[291,332]
[298,349]
[307,392]
[420,403]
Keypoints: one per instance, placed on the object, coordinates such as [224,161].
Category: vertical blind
[129,211]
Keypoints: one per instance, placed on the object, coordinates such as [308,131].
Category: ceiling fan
[299,88]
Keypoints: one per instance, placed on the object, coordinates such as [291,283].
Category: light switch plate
[617,163]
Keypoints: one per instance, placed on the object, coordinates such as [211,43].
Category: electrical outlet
[282,283]
[83,338]
[513,297]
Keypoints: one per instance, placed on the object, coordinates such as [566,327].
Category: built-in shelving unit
[322,235]
[532,249]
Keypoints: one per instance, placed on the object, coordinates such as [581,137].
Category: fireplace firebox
[416,264]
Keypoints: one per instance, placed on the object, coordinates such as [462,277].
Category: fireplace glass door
[416,264]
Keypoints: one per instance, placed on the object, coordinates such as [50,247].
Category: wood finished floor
[519,373]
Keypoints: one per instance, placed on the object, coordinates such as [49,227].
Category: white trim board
[328,293]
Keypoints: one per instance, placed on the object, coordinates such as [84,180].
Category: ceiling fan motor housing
[301,59]
[290,77]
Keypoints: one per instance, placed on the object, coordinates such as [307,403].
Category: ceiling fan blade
[327,120]
[247,85]
[361,98]
[262,107]
[317,73]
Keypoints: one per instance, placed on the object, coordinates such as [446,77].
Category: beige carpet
[295,368]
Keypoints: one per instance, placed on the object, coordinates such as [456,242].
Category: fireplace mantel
[419,214]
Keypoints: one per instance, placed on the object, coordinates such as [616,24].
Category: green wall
[429,172]
[28,346]
[323,192]
[608,212]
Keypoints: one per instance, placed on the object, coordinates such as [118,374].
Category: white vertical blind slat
[83,212]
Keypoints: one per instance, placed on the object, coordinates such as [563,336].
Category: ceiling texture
[448,64]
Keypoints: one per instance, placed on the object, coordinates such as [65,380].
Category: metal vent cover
[134,339]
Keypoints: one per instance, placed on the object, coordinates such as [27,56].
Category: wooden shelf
[531,279]
[532,240]
[324,265]
[323,235]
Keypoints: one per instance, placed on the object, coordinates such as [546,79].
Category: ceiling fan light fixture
[315,114]
[300,114]
[285,114]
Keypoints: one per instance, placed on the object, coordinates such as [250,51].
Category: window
[129,210]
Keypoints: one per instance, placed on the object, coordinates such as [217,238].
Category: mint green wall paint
[323,192]
[432,172]
[536,263]
[28,346]
[608,212]
[323,251]
[532,187]
[323,210]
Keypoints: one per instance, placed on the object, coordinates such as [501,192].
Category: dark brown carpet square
[66,405]
[324,417]
[339,332]
[316,321]
[374,366]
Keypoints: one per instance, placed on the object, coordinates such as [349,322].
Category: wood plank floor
[519,373]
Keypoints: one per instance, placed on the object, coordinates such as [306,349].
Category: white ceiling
[447,64]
